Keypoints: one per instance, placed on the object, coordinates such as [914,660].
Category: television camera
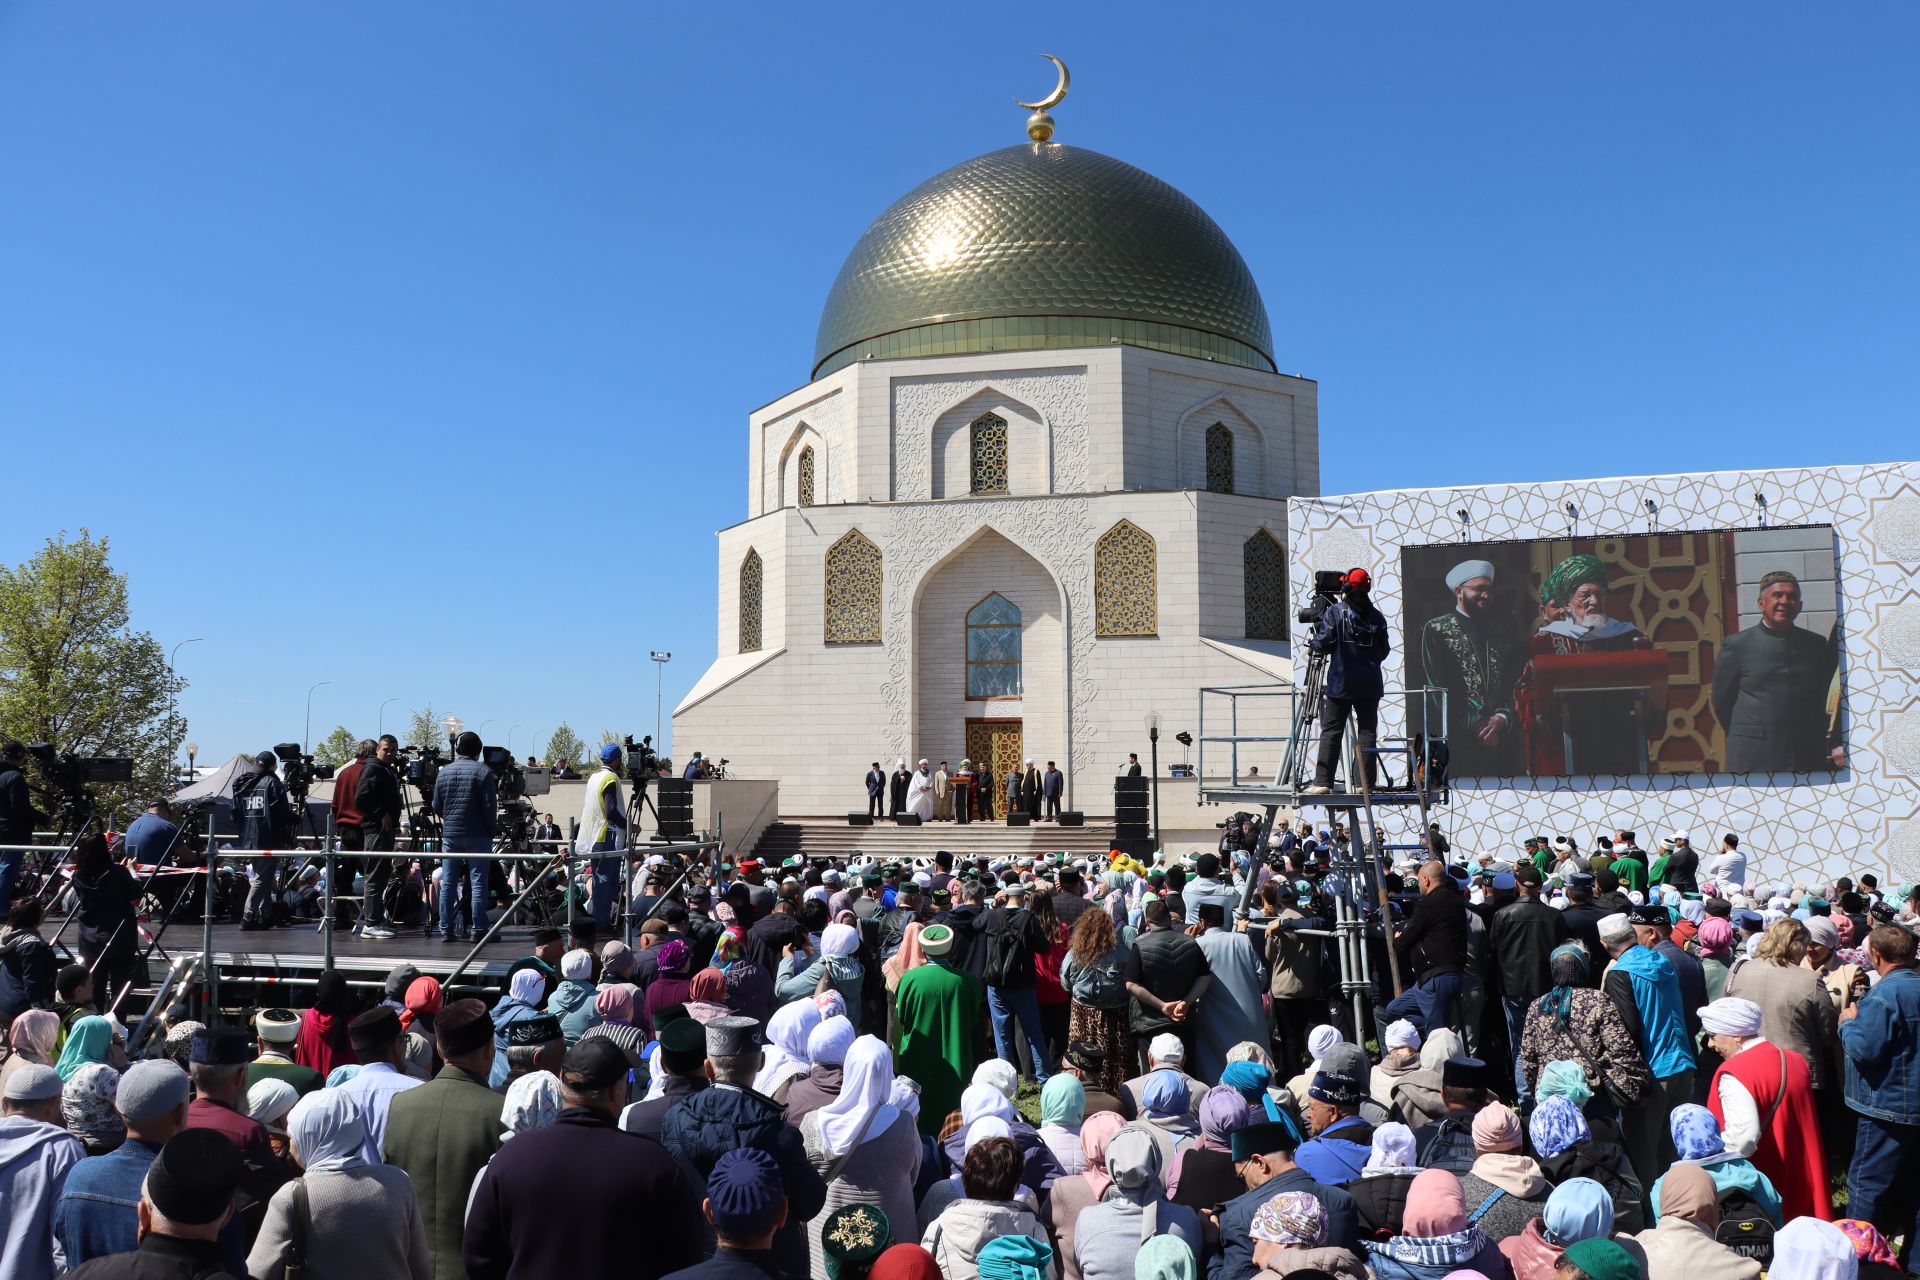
[513,785]
[1327,586]
[298,770]
[420,768]
[68,775]
[643,762]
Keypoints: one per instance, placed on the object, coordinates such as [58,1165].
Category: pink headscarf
[1436,1206]
[1715,938]
[1095,1132]
[33,1033]
[615,1003]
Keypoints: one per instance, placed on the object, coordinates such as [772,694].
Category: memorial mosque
[1032,492]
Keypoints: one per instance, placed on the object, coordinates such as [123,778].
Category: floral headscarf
[1567,964]
[1868,1242]
[533,1102]
[1556,1126]
[1292,1217]
[86,1105]
[1696,1134]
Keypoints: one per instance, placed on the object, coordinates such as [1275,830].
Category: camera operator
[1354,636]
[465,796]
[376,796]
[266,822]
[17,816]
[603,830]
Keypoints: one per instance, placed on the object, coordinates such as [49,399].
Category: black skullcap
[1262,1140]
[462,1027]
[745,1192]
[1086,1055]
[221,1047]
[1650,913]
[1464,1073]
[595,1063]
[374,1030]
[546,937]
[539,1029]
[683,1045]
[666,1015]
[192,1180]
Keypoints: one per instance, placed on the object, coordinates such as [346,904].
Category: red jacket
[346,810]
[1789,1152]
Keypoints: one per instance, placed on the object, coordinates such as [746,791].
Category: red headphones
[1358,578]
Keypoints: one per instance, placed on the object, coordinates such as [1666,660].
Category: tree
[565,747]
[425,730]
[337,748]
[74,673]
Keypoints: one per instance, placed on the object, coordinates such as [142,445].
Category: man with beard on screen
[1465,654]
[1604,725]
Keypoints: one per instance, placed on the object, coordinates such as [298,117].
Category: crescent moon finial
[1040,124]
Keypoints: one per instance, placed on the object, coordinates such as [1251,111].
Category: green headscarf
[87,1043]
[1063,1101]
[1569,574]
[1164,1258]
[1564,1079]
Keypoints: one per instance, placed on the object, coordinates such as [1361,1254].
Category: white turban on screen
[1467,571]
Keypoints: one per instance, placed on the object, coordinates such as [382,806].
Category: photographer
[464,796]
[603,830]
[266,823]
[17,816]
[376,795]
[1353,634]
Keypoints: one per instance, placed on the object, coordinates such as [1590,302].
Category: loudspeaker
[859,819]
[1072,818]
[1019,819]
[673,797]
[906,819]
[1129,786]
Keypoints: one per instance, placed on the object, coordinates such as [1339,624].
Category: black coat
[1770,693]
[564,1200]
[160,1258]
[260,808]
[1523,935]
[714,1121]
[107,913]
[1435,939]
[27,968]
[17,813]
[646,1117]
[739,1264]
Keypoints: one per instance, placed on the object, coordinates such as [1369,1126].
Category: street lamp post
[306,741]
[453,725]
[380,721]
[510,738]
[1153,745]
[170,657]
[660,658]
[482,730]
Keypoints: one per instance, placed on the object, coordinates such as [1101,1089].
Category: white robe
[920,796]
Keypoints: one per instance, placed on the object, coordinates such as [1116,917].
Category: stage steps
[883,841]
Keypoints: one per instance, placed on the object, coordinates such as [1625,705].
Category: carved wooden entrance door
[994,748]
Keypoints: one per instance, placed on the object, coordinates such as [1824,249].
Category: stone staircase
[883,841]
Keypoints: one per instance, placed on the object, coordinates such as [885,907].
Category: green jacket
[442,1134]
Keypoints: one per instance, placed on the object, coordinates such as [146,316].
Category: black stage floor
[300,948]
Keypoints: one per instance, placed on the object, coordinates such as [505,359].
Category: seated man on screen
[1770,688]
[1574,603]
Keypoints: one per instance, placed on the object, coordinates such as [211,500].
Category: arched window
[750,602]
[987,454]
[1219,458]
[993,649]
[1264,570]
[1126,600]
[806,476]
[853,590]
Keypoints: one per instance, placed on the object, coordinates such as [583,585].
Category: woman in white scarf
[866,1148]
[786,1056]
[362,1220]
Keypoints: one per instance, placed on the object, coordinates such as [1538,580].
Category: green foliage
[566,745]
[74,673]
[337,748]
[425,730]
[608,738]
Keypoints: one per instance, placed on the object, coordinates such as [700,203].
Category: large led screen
[1695,652]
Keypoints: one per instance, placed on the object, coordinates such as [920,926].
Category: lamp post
[510,738]
[306,741]
[193,749]
[453,725]
[170,656]
[660,660]
[1153,746]
[380,721]
[482,730]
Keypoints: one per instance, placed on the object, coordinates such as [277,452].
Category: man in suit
[1014,801]
[876,790]
[1133,764]
[1052,785]
[1770,688]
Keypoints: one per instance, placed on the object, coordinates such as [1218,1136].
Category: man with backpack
[1012,937]
[265,819]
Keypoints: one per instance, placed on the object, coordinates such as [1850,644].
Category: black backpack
[1451,1147]
[1009,962]
[1745,1228]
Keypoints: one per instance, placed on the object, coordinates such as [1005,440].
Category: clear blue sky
[410,346]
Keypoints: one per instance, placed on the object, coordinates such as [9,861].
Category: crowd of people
[1038,1069]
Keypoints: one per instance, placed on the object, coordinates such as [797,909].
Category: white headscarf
[999,1073]
[528,987]
[839,940]
[827,1043]
[1321,1039]
[326,1132]
[1442,1045]
[268,1101]
[1393,1148]
[863,1111]
[1809,1249]
[533,1102]
[1403,1035]
[983,1100]
[986,1127]
[576,964]
[786,1056]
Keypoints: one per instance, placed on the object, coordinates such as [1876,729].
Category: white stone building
[1034,491]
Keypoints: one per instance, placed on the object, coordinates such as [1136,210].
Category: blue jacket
[463,796]
[1333,1158]
[1654,990]
[504,1014]
[1235,1261]
[703,1127]
[96,1214]
[1357,640]
[1882,1045]
[572,1002]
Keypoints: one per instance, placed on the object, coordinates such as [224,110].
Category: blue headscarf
[1166,1093]
[1251,1080]
[1579,1209]
[1014,1258]
[1557,1125]
[1696,1134]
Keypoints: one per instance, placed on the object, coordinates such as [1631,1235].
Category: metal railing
[1250,737]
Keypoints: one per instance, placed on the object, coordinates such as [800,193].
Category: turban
[1292,1217]
[1403,1035]
[1556,1126]
[1250,1079]
[1496,1128]
[1579,1209]
[1393,1148]
[1731,1016]
[1570,574]
[1467,571]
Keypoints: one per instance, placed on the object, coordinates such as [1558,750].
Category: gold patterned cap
[1042,246]
[852,1237]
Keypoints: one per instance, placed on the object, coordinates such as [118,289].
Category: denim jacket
[1882,1045]
[463,796]
[96,1213]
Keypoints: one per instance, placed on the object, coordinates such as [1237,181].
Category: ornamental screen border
[987,454]
[853,579]
[751,578]
[806,476]
[1263,563]
[1219,458]
[1126,583]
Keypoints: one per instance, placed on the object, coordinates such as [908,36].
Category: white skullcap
[1731,1016]
[1167,1050]
[1679,835]
[1467,571]
[1321,1039]
[1614,927]
[999,1074]
[1402,1035]
[576,964]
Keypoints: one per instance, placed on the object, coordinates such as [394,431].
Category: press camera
[1327,586]
[298,770]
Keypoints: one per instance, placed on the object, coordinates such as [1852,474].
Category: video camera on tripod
[1327,586]
[298,770]
[643,762]
[68,774]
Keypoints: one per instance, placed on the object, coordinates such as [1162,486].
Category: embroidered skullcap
[537,1030]
[745,1192]
[851,1237]
[1731,1016]
[1603,1260]
[1466,571]
[732,1036]
[1292,1217]
[1557,1125]
[1335,1088]
[1403,1035]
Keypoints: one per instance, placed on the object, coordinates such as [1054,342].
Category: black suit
[1770,693]
[1051,785]
[876,792]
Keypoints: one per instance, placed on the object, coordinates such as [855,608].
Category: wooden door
[994,748]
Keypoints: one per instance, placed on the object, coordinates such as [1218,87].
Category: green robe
[937,1010]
